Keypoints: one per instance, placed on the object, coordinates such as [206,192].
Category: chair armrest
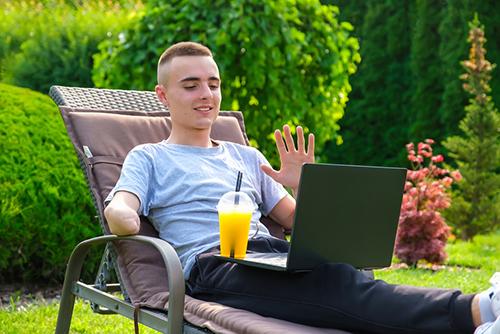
[176,284]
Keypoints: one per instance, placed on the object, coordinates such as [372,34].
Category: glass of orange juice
[235,213]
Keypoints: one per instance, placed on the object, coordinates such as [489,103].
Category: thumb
[269,171]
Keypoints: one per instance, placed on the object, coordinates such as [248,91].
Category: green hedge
[53,41]
[45,207]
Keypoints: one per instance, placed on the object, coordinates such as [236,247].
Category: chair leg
[72,275]
[65,310]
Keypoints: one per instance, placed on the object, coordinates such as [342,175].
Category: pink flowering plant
[422,232]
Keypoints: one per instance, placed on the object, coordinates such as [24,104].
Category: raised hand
[292,158]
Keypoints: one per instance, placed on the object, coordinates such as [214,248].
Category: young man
[177,184]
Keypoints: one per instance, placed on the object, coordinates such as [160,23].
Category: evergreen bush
[45,207]
[281,61]
[476,206]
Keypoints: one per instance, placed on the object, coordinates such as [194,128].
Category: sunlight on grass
[482,252]
[469,267]
[469,281]
[41,319]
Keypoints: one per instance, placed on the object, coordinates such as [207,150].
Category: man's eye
[214,86]
[189,87]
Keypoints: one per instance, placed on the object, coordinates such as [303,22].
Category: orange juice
[234,228]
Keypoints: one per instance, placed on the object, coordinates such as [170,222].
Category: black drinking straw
[238,181]
[238,187]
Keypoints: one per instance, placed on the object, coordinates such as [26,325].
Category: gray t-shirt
[178,187]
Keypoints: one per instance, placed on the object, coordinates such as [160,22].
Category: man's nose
[206,92]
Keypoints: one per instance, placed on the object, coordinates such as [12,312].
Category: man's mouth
[203,109]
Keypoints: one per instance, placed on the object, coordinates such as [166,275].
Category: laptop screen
[346,214]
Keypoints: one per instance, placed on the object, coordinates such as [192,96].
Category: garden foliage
[45,207]
[422,232]
[45,43]
[280,61]
[382,86]
[476,201]
[407,86]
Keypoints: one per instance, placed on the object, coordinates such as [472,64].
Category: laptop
[344,214]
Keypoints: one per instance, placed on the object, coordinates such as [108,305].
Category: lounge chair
[103,126]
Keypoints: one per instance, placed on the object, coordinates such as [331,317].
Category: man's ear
[160,92]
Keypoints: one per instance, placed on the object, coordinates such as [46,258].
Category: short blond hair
[179,50]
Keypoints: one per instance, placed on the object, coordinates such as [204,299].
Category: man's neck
[199,138]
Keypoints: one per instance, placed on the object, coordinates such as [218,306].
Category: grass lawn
[469,268]
[41,319]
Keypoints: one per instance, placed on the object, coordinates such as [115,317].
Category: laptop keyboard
[275,259]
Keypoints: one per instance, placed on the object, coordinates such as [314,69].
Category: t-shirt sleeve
[135,178]
[271,191]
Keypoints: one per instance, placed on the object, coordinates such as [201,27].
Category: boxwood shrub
[45,207]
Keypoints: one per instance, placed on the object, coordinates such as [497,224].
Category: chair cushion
[227,320]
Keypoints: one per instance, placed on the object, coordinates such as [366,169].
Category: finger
[280,144]
[310,147]
[300,139]
[270,171]
[288,138]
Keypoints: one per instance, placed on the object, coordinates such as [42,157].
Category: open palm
[292,158]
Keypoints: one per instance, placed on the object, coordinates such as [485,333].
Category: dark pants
[332,295]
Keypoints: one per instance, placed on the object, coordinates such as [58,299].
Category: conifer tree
[398,80]
[375,126]
[476,201]
[359,128]
[369,110]
[426,69]
[490,18]
[453,31]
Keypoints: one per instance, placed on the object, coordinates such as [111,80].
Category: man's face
[191,91]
